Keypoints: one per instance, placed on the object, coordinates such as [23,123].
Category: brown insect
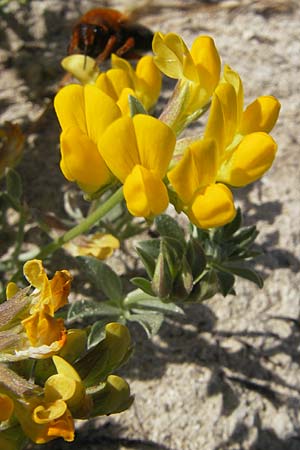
[102,31]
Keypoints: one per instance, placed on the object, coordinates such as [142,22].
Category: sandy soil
[226,376]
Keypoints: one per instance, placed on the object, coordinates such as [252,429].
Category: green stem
[85,225]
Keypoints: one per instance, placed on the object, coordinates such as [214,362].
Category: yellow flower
[245,149]
[138,151]
[197,70]
[45,421]
[207,204]
[53,293]
[236,150]
[33,331]
[84,112]
[143,83]
[201,65]
[50,416]
[43,329]
[66,385]
[99,245]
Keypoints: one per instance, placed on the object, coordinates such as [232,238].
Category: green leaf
[168,227]
[207,287]
[162,281]
[196,258]
[226,282]
[151,322]
[14,184]
[157,305]
[97,333]
[148,252]
[245,236]
[183,283]
[90,308]
[102,276]
[243,272]
[143,284]
[135,106]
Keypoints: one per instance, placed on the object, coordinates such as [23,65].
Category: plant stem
[85,225]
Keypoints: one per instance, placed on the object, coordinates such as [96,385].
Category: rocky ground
[227,376]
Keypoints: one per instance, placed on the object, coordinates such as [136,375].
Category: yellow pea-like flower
[144,147]
[197,71]
[208,204]
[84,113]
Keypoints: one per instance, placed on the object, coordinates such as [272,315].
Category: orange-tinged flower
[44,421]
[43,329]
[50,416]
[53,293]
[32,330]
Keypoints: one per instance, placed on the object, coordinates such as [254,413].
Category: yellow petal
[99,245]
[60,286]
[123,101]
[81,161]
[120,63]
[260,115]
[207,61]
[233,78]
[250,160]
[48,412]
[64,368]
[147,71]
[213,207]
[69,106]
[215,127]
[100,110]
[145,193]
[156,143]
[62,427]
[11,289]
[43,329]
[40,433]
[35,273]
[197,168]
[228,99]
[82,67]
[118,147]
[169,52]
[113,82]
[72,392]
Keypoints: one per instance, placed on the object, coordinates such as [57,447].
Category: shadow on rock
[265,439]
[91,436]
[244,365]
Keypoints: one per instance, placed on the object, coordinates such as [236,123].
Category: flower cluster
[75,383]
[28,326]
[108,138]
